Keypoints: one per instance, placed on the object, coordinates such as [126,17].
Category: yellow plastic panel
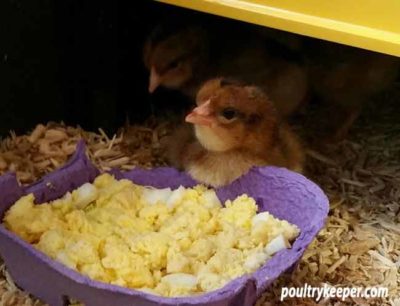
[369,24]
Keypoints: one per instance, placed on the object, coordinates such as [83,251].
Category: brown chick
[174,59]
[184,59]
[236,127]
[346,78]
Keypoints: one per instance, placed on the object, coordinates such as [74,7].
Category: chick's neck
[251,148]
[201,72]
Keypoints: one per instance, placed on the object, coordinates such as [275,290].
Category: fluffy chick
[184,59]
[174,59]
[236,127]
[346,78]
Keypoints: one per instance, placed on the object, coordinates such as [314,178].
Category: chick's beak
[154,80]
[201,115]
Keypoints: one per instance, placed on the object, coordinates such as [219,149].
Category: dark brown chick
[174,59]
[184,59]
[236,127]
[346,78]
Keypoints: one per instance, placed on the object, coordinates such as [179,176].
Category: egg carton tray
[285,194]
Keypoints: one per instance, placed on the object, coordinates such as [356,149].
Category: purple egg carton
[285,194]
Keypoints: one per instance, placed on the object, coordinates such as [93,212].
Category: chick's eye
[229,113]
[174,64]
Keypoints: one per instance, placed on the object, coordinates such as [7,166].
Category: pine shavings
[360,244]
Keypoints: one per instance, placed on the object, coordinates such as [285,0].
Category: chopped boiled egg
[160,241]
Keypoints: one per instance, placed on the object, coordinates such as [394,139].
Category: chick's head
[174,58]
[231,115]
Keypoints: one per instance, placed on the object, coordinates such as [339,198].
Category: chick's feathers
[236,127]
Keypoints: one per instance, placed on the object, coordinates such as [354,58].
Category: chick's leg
[344,127]
[341,118]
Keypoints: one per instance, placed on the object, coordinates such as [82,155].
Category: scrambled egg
[166,242]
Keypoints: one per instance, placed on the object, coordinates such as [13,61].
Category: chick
[183,59]
[175,60]
[346,78]
[235,127]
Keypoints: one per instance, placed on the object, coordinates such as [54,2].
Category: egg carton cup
[285,194]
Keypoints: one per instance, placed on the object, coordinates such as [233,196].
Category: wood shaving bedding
[360,244]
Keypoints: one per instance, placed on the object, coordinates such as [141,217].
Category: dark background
[76,61]
[80,62]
